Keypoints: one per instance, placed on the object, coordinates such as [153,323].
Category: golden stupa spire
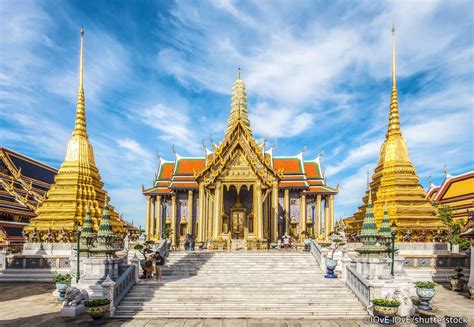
[395,182]
[238,110]
[77,185]
[394,115]
[80,127]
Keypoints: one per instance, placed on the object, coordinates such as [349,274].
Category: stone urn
[61,287]
[96,309]
[425,295]
[385,310]
[330,266]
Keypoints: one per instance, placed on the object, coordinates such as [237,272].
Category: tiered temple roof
[23,185]
[297,174]
[456,192]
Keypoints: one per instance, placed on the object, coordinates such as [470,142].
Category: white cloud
[135,150]
[281,122]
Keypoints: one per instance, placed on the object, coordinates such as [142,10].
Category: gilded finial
[368,184]
[394,70]
[238,72]
[370,197]
[385,207]
[80,123]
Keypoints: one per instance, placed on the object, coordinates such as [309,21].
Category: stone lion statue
[75,296]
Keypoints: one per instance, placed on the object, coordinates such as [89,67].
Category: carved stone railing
[116,290]
[358,285]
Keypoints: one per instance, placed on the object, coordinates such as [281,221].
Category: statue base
[72,311]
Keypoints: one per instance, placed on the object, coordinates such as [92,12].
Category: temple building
[457,192]
[76,186]
[239,193]
[396,183]
[23,185]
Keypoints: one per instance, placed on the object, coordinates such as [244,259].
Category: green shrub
[62,279]
[458,274]
[425,284]
[96,303]
[385,302]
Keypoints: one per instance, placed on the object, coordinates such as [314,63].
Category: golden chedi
[76,186]
[396,183]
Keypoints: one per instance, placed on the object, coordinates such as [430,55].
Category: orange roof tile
[187,166]
[289,165]
[312,170]
[166,171]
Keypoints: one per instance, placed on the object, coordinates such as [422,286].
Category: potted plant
[97,309]
[457,283]
[62,282]
[385,309]
[425,292]
[330,262]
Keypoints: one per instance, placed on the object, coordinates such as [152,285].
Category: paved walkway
[32,304]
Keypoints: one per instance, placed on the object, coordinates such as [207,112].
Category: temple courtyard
[31,304]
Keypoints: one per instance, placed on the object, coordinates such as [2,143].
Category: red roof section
[188,166]
[311,169]
[166,171]
[289,165]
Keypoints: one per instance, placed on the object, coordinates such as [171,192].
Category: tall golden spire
[394,116]
[80,128]
[395,182]
[77,185]
[238,110]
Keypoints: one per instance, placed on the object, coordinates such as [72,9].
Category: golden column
[302,213]
[326,217]
[259,216]
[158,218]
[217,210]
[190,212]
[331,213]
[152,216]
[286,201]
[318,220]
[275,212]
[173,219]
[148,217]
[201,213]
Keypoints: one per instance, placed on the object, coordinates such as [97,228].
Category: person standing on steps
[159,261]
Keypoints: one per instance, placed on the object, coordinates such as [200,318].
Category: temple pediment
[239,158]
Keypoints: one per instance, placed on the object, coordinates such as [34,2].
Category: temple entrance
[238,217]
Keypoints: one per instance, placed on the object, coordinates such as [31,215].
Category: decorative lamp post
[78,239]
[312,225]
[394,234]
[163,236]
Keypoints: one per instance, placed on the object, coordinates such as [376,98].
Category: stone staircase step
[241,284]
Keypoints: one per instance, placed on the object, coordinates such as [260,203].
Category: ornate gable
[239,157]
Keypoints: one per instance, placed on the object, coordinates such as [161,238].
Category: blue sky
[159,73]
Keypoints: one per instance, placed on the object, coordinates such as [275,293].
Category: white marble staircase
[241,284]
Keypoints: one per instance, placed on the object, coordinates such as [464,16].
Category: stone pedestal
[94,271]
[72,311]
[373,268]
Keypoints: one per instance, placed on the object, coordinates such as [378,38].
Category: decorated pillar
[173,219]
[286,202]
[326,217]
[148,217]
[200,219]
[153,216]
[159,220]
[217,210]
[274,216]
[190,213]
[319,217]
[331,213]
[259,216]
[302,213]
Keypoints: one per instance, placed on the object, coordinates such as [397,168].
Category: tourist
[191,244]
[159,261]
[187,241]
[149,267]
